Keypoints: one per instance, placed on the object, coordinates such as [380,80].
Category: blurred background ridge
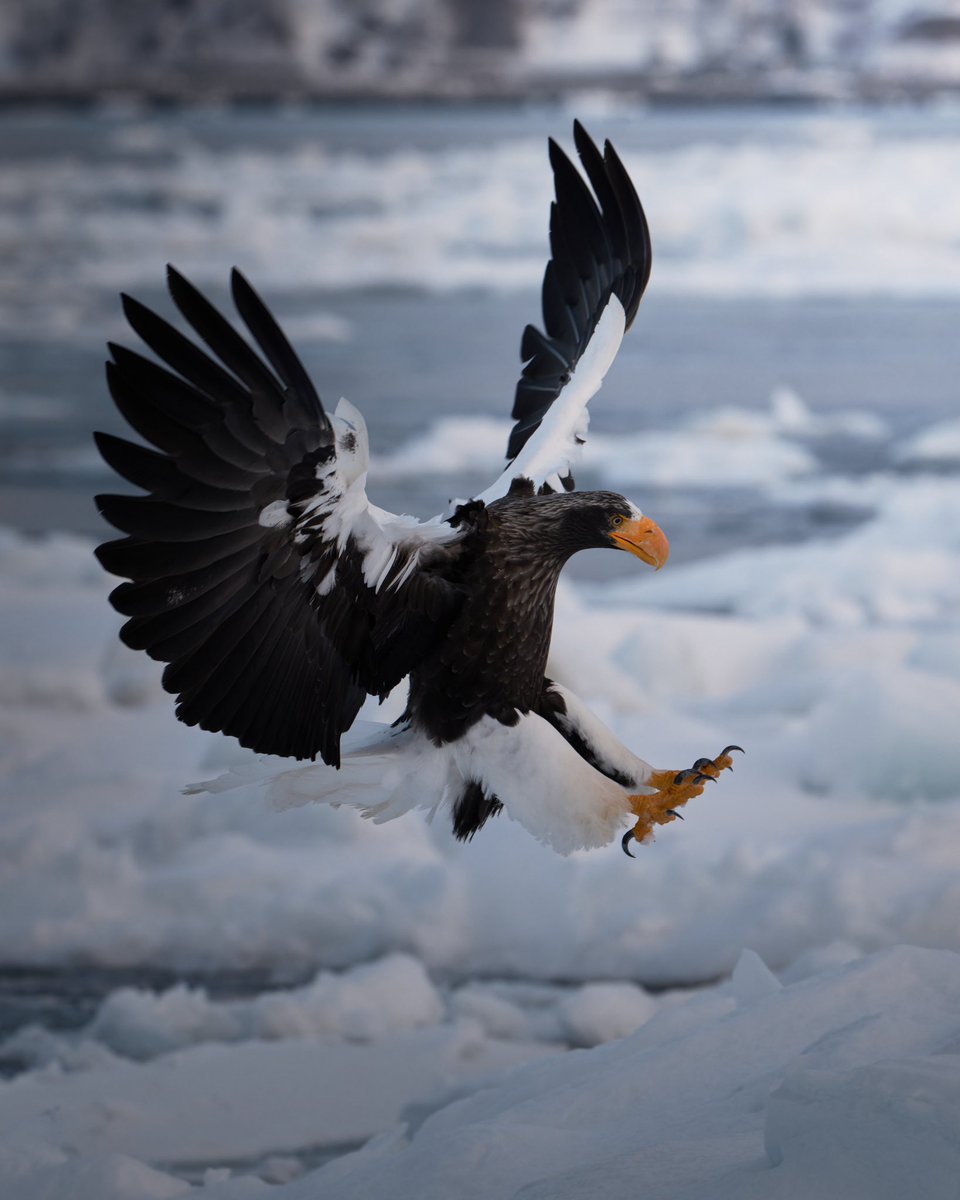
[296,49]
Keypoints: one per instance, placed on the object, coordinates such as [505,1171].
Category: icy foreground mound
[844,1085]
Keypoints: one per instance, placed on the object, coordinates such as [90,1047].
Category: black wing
[600,247]
[258,571]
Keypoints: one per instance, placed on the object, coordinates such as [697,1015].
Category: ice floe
[424,969]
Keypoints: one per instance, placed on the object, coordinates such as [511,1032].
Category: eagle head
[560,525]
[605,519]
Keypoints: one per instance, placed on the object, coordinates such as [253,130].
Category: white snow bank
[51,593]
[837,666]
[602,1012]
[217,1103]
[375,1000]
[726,447]
[902,566]
[843,1085]
[829,206]
[938,443]
[730,446]
[888,1129]
[585,1015]
[52,560]
[40,1172]
[449,445]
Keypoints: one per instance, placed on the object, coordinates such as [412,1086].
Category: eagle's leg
[673,790]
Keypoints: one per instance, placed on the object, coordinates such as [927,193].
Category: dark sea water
[93,203]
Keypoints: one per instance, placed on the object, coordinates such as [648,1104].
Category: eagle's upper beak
[645,539]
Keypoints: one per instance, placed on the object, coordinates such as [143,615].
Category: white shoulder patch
[275,515]
[350,430]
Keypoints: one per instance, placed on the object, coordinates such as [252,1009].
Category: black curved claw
[682,777]
[625,843]
[673,813]
[727,749]
[701,763]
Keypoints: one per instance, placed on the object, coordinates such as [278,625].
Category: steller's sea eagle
[281,597]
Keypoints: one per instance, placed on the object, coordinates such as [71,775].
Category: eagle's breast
[493,660]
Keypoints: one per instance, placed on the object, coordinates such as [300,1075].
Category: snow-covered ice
[410,970]
[838,205]
[766,1004]
[846,1085]
[938,444]
[723,447]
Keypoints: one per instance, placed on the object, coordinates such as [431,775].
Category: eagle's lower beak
[645,539]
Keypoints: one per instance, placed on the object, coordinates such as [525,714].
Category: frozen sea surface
[209,997]
[403,249]
[339,980]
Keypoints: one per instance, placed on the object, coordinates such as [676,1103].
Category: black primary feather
[230,602]
[600,247]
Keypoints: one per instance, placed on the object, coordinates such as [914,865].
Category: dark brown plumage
[492,657]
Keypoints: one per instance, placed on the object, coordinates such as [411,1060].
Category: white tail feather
[537,775]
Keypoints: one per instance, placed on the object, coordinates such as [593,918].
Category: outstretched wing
[598,270]
[259,571]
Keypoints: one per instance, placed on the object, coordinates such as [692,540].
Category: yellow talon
[673,790]
[659,807]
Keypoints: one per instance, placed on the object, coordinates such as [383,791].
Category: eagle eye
[616,520]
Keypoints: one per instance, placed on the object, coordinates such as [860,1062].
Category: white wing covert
[599,267]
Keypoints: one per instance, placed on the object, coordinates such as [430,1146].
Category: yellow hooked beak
[645,539]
